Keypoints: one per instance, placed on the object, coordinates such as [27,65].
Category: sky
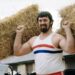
[9,7]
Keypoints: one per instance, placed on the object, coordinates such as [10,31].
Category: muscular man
[47,46]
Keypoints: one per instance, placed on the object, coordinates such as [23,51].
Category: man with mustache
[47,46]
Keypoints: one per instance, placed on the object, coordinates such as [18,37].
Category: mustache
[43,25]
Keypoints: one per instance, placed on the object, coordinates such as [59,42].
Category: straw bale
[68,13]
[26,17]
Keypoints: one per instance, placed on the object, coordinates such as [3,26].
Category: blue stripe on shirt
[46,51]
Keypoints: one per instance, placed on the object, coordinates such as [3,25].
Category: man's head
[45,21]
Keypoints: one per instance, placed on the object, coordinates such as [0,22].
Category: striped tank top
[48,59]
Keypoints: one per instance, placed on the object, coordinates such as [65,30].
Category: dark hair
[45,14]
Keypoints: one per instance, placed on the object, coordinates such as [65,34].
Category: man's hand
[20,29]
[66,24]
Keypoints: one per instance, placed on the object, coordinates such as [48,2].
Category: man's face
[44,24]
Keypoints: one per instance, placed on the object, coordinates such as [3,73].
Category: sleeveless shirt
[48,58]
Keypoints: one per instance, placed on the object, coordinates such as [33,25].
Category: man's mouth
[43,26]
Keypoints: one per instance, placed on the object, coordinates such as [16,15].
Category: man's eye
[40,20]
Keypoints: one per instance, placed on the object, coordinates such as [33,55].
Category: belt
[56,73]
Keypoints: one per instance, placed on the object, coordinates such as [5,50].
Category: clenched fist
[66,24]
[20,29]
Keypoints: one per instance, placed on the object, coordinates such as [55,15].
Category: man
[47,47]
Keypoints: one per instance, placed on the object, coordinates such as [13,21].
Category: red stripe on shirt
[43,45]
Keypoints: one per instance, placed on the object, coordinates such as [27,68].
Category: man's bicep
[26,48]
[63,44]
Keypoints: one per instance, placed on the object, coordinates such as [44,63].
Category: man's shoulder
[34,37]
[31,40]
[57,35]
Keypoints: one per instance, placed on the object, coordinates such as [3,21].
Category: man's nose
[42,22]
